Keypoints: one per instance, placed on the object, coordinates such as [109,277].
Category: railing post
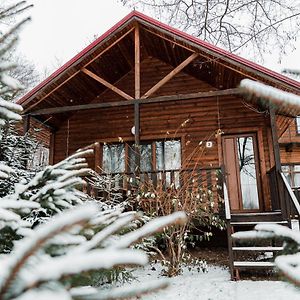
[276,150]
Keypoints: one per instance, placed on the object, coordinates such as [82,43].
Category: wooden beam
[137,136]
[71,76]
[170,75]
[137,59]
[107,84]
[275,138]
[52,148]
[137,93]
[178,97]
[26,124]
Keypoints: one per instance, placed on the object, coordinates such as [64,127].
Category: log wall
[195,121]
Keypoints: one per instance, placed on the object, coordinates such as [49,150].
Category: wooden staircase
[287,206]
[244,257]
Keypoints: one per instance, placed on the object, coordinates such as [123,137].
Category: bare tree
[251,26]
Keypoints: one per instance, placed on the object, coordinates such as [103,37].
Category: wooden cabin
[158,102]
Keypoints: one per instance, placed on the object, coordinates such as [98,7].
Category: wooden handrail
[163,171]
[291,193]
[226,202]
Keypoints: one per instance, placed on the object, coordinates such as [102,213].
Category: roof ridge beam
[107,84]
[169,76]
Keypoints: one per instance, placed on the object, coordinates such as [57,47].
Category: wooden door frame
[264,188]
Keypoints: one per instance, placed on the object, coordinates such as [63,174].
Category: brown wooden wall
[201,118]
[36,130]
[290,144]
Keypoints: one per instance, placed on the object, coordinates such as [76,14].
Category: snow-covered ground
[215,285]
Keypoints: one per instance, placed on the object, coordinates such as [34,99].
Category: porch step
[257,217]
[257,248]
[247,256]
[253,264]
[246,223]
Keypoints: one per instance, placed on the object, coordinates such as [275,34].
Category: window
[162,155]
[292,173]
[298,124]
[113,158]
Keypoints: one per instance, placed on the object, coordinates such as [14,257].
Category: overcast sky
[61,28]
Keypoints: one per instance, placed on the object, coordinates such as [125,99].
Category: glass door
[242,171]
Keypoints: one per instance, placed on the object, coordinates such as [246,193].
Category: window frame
[129,145]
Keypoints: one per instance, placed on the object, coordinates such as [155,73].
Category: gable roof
[56,80]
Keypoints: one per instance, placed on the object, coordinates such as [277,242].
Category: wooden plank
[137,58]
[52,148]
[267,248]
[97,154]
[178,97]
[107,84]
[170,75]
[26,124]
[137,136]
[253,264]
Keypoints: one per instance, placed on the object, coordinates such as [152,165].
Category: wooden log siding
[165,119]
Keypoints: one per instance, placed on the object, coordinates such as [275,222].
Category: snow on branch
[9,111]
[4,170]
[105,233]
[72,264]
[266,231]
[272,94]
[31,244]
[55,188]
[289,265]
[156,225]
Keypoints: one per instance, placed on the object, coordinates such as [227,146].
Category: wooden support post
[276,150]
[26,124]
[52,148]
[137,71]
[97,156]
[275,139]
[137,93]
[137,136]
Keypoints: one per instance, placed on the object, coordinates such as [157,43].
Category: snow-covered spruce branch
[24,269]
[55,188]
[29,246]
[279,97]
[105,233]
[177,218]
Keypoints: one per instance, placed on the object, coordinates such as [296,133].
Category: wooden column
[26,124]
[275,143]
[276,151]
[137,94]
[52,148]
